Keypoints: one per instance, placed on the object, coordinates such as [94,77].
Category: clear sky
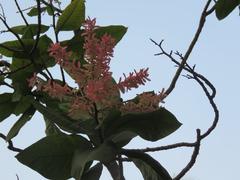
[216,56]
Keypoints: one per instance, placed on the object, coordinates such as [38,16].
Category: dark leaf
[72,17]
[52,155]
[106,152]
[6,106]
[149,167]
[150,126]
[51,128]
[20,123]
[225,7]
[94,173]
[23,105]
[57,117]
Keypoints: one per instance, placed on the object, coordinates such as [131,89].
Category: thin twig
[15,34]
[19,10]
[167,147]
[190,48]
[47,4]
[38,29]
[10,144]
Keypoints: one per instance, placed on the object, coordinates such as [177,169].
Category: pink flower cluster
[133,80]
[94,78]
[145,102]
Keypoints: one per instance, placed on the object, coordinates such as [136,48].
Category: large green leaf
[106,152]
[225,7]
[52,155]
[21,29]
[150,126]
[16,49]
[26,116]
[6,106]
[116,31]
[149,167]
[23,105]
[51,128]
[93,173]
[72,17]
[59,118]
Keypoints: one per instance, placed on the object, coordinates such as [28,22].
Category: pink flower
[59,53]
[32,81]
[133,80]
[55,90]
[146,102]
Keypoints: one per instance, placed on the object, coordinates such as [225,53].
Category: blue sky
[215,55]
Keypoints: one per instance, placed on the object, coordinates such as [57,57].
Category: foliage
[94,109]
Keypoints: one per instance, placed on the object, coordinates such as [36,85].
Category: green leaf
[23,105]
[20,123]
[116,31]
[225,7]
[16,49]
[72,17]
[106,152]
[93,173]
[57,117]
[52,155]
[6,106]
[34,11]
[149,167]
[75,45]
[21,29]
[150,126]
[51,128]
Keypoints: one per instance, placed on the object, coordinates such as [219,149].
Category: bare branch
[39,28]
[10,144]
[190,48]
[19,10]
[193,158]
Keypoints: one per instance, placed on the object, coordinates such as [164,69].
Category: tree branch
[21,13]
[190,48]
[193,158]
[10,144]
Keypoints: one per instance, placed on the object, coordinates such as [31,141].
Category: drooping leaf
[57,117]
[21,29]
[52,155]
[116,31]
[150,126]
[106,152]
[149,167]
[72,17]
[20,123]
[225,7]
[93,173]
[6,106]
